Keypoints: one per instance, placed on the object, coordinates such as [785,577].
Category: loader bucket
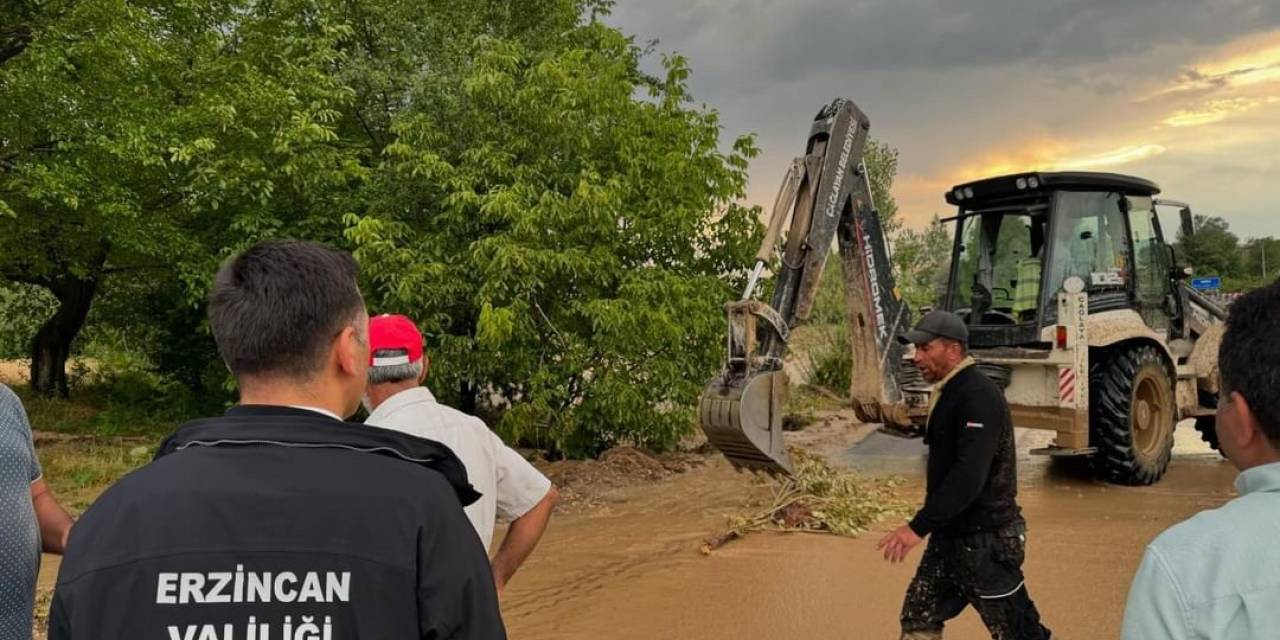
[742,418]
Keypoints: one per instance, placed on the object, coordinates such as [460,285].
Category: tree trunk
[13,41]
[52,344]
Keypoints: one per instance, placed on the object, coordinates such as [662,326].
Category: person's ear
[426,365]
[1243,428]
[347,349]
[352,347]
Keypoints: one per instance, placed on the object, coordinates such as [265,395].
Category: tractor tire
[1131,415]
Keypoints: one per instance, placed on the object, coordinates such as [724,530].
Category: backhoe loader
[1072,297]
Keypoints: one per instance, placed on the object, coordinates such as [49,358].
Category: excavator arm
[825,195]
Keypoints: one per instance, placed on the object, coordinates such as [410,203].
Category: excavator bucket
[742,417]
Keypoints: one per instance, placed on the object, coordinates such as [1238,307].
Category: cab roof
[1040,182]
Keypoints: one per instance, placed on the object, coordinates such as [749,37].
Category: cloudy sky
[1184,92]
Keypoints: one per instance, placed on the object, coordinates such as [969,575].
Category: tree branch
[13,41]
[136,267]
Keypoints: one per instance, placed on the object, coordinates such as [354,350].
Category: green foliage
[882,163]
[830,363]
[820,498]
[560,222]
[134,131]
[79,470]
[143,141]
[1213,250]
[22,309]
[1259,263]
[562,227]
[921,260]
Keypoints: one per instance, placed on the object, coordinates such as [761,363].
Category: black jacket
[283,521]
[972,481]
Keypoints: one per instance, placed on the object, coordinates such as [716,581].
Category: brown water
[633,570]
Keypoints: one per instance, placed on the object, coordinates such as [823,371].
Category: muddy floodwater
[631,568]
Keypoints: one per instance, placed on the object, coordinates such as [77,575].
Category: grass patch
[40,626]
[805,403]
[80,469]
[94,410]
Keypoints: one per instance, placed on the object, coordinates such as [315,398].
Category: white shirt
[323,412]
[509,486]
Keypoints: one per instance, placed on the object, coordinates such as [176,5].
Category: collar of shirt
[284,426]
[318,410]
[1262,478]
[401,400]
[961,366]
[937,388]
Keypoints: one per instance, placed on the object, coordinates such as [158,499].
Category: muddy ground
[621,559]
[629,568]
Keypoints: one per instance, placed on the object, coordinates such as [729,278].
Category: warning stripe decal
[1067,385]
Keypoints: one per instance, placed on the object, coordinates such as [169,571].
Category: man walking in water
[977,537]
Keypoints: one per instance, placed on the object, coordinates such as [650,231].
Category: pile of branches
[818,499]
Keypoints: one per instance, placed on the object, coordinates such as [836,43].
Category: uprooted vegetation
[818,499]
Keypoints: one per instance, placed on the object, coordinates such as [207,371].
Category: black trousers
[983,570]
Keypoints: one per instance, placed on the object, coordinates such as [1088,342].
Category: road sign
[1212,283]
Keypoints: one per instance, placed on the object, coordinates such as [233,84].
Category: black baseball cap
[937,324]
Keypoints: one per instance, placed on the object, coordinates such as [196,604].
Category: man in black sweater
[977,536]
[280,520]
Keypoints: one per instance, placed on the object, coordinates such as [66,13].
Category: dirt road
[631,568]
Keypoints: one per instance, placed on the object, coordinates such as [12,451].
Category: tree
[1260,261]
[882,167]
[1213,250]
[562,223]
[563,227]
[921,259]
[147,139]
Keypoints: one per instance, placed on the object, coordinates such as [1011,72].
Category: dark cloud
[954,84]
[777,39]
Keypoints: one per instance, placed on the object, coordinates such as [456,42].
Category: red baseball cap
[393,333]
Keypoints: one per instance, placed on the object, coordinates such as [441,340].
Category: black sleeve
[456,595]
[59,626]
[982,422]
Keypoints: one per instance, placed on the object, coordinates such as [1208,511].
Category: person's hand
[898,543]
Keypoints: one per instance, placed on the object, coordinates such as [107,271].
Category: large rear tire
[1132,409]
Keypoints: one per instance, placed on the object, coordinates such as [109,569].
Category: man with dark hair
[510,487]
[279,520]
[1217,575]
[977,537]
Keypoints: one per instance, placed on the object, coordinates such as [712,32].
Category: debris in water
[819,499]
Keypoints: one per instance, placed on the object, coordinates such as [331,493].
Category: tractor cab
[1020,237]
